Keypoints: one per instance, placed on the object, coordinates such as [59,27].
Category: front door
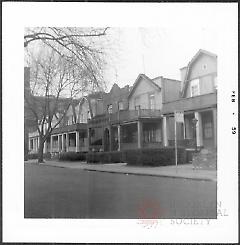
[208,129]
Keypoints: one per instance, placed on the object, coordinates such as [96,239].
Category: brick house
[101,131]
[198,100]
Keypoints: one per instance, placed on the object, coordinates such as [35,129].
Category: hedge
[104,157]
[140,157]
[72,156]
[35,156]
[154,157]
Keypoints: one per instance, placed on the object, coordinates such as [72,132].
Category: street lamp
[194,122]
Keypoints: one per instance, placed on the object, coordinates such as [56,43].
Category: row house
[132,116]
[70,135]
[142,116]
[198,101]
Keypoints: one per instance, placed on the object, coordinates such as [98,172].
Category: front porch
[141,133]
[203,134]
[69,142]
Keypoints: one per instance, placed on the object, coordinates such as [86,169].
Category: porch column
[140,133]
[29,144]
[36,147]
[51,143]
[38,143]
[119,138]
[110,138]
[103,139]
[77,141]
[187,128]
[215,126]
[63,143]
[89,138]
[165,131]
[59,144]
[199,134]
[67,142]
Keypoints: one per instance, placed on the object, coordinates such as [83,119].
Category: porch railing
[125,115]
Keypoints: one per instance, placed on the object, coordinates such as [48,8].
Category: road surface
[52,192]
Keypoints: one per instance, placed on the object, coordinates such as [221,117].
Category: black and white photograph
[121,126]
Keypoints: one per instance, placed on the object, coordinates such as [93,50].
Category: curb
[153,175]
[131,173]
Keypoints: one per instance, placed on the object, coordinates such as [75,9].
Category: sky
[155,51]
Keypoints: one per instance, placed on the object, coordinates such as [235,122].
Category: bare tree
[67,63]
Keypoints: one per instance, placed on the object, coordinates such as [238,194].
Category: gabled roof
[95,95]
[195,57]
[147,79]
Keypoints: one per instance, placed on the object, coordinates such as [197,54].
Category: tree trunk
[40,151]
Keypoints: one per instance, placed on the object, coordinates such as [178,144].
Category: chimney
[27,79]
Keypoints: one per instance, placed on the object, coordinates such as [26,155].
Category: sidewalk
[183,171]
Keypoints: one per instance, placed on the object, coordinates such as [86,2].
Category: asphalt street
[53,192]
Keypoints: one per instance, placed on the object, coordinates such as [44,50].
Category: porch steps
[205,159]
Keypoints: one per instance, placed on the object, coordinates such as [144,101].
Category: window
[109,108]
[151,101]
[31,144]
[215,82]
[194,87]
[70,120]
[82,118]
[208,130]
[137,102]
[120,105]
[150,136]
[72,142]
[194,90]
[88,115]
[137,107]
[55,141]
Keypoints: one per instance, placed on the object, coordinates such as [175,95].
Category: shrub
[154,157]
[140,157]
[104,157]
[72,156]
[35,156]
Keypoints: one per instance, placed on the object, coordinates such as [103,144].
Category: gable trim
[195,57]
[147,79]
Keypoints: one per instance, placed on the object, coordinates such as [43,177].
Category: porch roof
[70,128]
[191,103]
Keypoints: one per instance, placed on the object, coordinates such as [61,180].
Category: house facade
[198,101]
[142,116]
[133,117]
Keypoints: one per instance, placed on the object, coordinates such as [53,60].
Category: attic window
[205,66]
